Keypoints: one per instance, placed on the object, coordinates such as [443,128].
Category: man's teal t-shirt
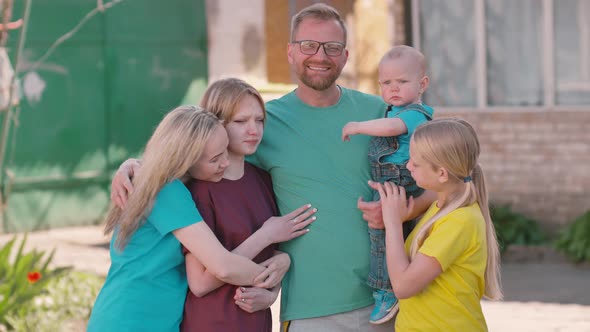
[146,284]
[302,148]
[412,119]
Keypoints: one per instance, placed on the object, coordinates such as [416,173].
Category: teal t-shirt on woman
[146,284]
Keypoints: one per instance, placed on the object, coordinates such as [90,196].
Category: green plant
[23,276]
[65,307]
[515,228]
[574,241]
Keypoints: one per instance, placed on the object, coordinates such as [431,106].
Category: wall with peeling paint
[236,39]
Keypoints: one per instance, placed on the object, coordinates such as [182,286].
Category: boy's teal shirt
[412,119]
[302,148]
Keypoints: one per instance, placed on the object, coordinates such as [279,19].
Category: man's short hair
[318,11]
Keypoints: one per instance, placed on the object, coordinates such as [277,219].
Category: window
[505,53]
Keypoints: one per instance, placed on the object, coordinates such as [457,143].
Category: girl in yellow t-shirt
[451,259]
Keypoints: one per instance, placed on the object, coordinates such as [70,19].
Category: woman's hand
[252,299]
[394,205]
[121,185]
[289,226]
[276,267]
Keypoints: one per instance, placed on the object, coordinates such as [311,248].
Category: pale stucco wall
[236,39]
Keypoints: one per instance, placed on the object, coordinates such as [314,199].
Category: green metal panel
[105,89]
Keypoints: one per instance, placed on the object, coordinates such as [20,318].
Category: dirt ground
[543,292]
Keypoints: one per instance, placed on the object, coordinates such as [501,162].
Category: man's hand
[371,213]
[121,186]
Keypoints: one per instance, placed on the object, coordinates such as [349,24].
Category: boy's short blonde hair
[405,51]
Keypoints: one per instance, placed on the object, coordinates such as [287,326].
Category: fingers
[270,282]
[382,191]
[402,191]
[298,225]
[118,198]
[128,185]
[360,203]
[297,211]
[297,234]
[115,199]
[262,276]
[304,215]
[388,189]
[374,185]
[267,262]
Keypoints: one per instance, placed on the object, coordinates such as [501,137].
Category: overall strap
[389,108]
[414,107]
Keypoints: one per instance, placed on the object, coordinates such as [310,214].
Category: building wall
[537,161]
[236,31]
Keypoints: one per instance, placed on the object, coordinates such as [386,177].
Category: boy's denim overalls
[382,171]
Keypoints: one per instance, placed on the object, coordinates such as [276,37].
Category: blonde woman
[146,283]
[451,259]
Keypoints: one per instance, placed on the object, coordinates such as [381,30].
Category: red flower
[33,277]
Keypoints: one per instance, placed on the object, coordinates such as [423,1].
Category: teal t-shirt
[146,284]
[412,119]
[302,148]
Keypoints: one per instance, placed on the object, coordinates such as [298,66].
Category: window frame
[548,74]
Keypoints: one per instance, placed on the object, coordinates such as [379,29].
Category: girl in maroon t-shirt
[236,209]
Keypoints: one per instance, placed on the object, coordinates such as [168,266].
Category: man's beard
[319,84]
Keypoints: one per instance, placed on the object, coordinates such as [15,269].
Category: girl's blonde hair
[452,144]
[175,146]
[223,97]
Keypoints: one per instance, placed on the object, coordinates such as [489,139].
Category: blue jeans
[399,175]
[378,275]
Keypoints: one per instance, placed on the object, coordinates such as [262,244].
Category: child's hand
[276,267]
[289,226]
[349,130]
[252,299]
[394,205]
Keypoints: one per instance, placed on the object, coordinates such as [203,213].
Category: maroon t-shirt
[233,210]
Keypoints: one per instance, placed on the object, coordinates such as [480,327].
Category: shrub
[65,307]
[23,276]
[515,228]
[574,241]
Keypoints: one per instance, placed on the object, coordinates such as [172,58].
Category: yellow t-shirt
[452,301]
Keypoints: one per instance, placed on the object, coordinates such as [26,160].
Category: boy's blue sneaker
[386,307]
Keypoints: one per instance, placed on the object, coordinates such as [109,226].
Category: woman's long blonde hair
[175,146]
[223,97]
[452,144]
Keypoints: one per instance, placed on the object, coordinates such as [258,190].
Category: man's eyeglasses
[311,47]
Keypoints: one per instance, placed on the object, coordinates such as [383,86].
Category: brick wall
[539,162]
